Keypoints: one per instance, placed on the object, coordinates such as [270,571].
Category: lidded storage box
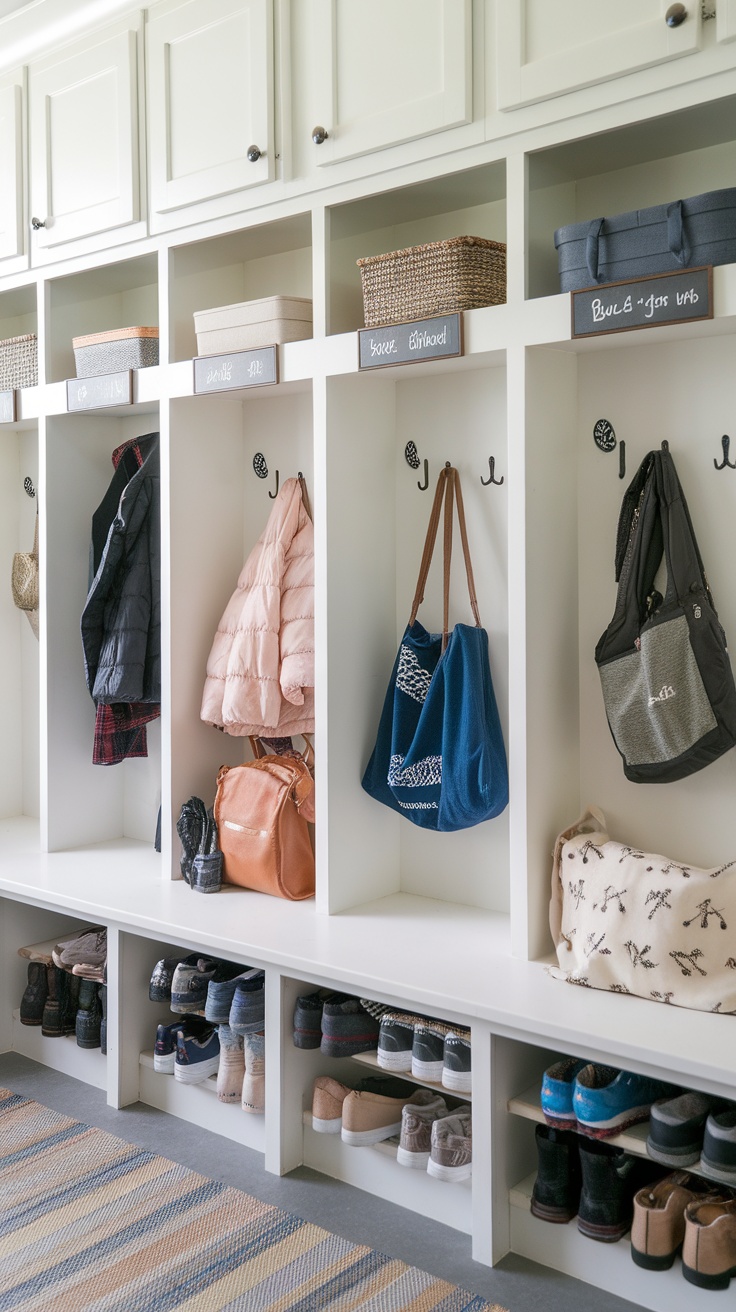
[660,239]
[19,362]
[243,327]
[441,277]
[119,348]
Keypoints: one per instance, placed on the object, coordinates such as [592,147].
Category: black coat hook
[622,460]
[273,495]
[492,467]
[725,443]
[423,486]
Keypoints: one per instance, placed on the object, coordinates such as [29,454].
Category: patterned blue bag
[439,758]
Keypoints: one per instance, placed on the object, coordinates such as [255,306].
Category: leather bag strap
[448,489]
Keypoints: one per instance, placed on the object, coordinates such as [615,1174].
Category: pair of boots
[62,1003]
[590,1179]
[241,1073]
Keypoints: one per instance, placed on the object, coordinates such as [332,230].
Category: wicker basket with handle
[438,278]
[19,362]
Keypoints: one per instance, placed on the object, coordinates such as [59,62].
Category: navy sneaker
[718,1158]
[558,1083]
[456,1072]
[395,1040]
[196,1057]
[677,1126]
[159,988]
[190,982]
[164,1053]
[248,1010]
[428,1050]
[220,991]
[606,1100]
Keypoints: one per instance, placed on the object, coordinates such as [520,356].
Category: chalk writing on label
[222,373]
[99,391]
[661,299]
[402,343]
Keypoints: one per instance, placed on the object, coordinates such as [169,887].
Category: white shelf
[61,1053]
[199,1104]
[370,1061]
[606,1266]
[529,1105]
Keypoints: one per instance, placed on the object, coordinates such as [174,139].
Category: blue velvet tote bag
[439,758]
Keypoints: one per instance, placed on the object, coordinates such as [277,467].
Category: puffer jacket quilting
[260,672]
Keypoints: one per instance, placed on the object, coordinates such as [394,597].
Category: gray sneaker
[417,1119]
[428,1049]
[456,1074]
[450,1156]
[395,1040]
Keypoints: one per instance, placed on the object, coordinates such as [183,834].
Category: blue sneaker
[248,1010]
[220,992]
[164,1052]
[558,1083]
[196,1058]
[189,983]
[607,1100]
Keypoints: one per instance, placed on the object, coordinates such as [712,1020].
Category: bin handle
[592,243]
[676,235]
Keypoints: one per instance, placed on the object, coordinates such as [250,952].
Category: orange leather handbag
[262,809]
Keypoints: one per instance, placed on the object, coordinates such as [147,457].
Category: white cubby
[122,294]
[471,203]
[270,259]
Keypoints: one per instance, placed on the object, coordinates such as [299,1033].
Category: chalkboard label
[650,302]
[225,373]
[99,390]
[7,407]
[402,343]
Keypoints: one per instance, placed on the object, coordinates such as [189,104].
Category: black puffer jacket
[121,622]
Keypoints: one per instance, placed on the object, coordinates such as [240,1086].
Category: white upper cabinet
[389,71]
[545,49]
[210,89]
[84,138]
[12,225]
[726,20]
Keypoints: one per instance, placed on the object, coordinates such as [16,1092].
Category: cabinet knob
[254,154]
[38,223]
[319,135]
[675,15]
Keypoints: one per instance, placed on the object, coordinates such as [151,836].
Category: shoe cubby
[374,548]
[138,1020]
[19,645]
[121,294]
[18,318]
[218,509]
[269,259]
[518,1070]
[468,203]
[20,926]
[652,162]
[374,1167]
[85,803]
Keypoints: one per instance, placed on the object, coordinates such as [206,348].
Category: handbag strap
[448,489]
[34,552]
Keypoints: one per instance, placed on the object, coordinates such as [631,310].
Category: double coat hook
[492,479]
[725,463]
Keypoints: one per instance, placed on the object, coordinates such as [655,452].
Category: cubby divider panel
[19,645]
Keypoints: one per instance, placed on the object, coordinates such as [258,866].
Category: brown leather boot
[658,1228]
[709,1247]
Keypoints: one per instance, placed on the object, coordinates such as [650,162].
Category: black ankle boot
[51,1019]
[102,992]
[34,999]
[556,1192]
[69,1001]
[611,1177]
[89,1016]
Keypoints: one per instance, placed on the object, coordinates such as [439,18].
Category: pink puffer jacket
[260,672]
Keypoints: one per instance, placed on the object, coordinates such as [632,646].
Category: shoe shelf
[606,1266]
[529,1105]
[199,1104]
[370,1060]
[375,1169]
[61,1053]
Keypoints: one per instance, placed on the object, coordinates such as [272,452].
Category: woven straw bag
[24,578]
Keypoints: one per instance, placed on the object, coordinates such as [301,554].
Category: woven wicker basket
[19,362]
[439,278]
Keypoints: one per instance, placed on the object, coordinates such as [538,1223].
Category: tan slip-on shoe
[328,1096]
[709,1247]
[658,1228]
[369,1117]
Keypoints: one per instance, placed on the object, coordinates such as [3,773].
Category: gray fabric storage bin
[660,239]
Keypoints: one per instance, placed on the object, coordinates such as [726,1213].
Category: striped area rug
[89,1223]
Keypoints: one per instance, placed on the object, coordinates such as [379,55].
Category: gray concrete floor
[517,1284]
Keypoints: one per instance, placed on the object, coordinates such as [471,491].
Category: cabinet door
[545,49]
[84,139]
[210,79]
[391,71]
[12,236]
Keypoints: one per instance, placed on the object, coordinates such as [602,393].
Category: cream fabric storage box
[118,348]
[19,362]
[274,319]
